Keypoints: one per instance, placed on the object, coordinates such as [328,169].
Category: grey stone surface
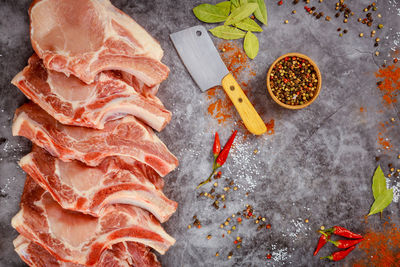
[317,166]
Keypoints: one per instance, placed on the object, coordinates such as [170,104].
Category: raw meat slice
[85,37]
[139,86]
[89,190]
[124,254]
[124,137]
[79,238]
[72,102]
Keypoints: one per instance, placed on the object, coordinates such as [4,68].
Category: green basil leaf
[209,13]
[240,13]
[248,24]
[378,183]
[235,3]
[251,45]
[225,6]
[227,32]
[261,12]
[382,201]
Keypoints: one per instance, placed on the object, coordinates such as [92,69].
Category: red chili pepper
[346,243]
[225,151]
[323,239]
[338,230]
[216,148]
[221,158]
[339,255]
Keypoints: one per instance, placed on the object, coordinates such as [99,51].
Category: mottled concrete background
[317,166]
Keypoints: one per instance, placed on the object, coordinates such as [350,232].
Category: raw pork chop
[79,238]
[89,190]
[124,137]
[72,102]
[123,254]
[85,37]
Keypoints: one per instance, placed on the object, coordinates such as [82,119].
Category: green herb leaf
[225,6]
[382,201]
[251,45]
[227,32]
[235,3]
[240,13]
[209,13]
[248,24]
[242,2]
[378,183]
[261,11]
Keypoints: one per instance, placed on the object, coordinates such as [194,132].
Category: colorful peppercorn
[293,81]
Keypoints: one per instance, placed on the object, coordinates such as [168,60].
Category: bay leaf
[378,183]
[227,32]
[248,24]
[251,45]
[261,12]
[382,201]
[240,13]
[209,13]
[225,6]
[235,3]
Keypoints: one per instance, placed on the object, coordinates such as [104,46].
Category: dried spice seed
[328,18]
[293,81]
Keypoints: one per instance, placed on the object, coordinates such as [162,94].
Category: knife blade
[202,60]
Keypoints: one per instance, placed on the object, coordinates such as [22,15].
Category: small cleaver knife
[204,64]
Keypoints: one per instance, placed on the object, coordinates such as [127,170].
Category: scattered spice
[389,83]
[293,81]
[381,248]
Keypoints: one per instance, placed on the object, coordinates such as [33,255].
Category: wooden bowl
[318,76]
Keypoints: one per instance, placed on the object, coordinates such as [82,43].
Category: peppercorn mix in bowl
[294,81]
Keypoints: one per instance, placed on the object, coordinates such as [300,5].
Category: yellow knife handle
[247,112]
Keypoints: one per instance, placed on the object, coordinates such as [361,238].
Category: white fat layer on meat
[16,128]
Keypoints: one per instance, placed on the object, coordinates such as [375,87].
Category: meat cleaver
[204,64]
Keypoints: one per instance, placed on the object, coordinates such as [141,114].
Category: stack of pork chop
[93,194]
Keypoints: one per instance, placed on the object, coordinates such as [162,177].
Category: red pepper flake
[269,256]
[199,226]
[235,242]
[250,214]
[280,3]
[268,226]
[239,219]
